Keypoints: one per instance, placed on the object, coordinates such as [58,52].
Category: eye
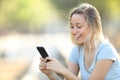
[79,26]
[71,26]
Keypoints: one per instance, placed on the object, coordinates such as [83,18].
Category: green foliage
[113,6]
[31,14]
[24,13]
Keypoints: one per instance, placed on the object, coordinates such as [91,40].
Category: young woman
[92,55]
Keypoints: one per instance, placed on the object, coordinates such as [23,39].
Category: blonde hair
[93,19]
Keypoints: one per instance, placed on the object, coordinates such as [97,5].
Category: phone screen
[42,52]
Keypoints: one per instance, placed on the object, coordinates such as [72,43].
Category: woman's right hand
[42,67]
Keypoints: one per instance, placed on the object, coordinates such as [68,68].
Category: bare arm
[55,66]
[101,69]
[70,73]
[74,68]
[53,76]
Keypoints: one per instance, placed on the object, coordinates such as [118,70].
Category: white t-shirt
[104,51]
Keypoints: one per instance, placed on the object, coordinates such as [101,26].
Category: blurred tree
[113,6]
[29,15]
[106,8]
[22,14]
[65,5]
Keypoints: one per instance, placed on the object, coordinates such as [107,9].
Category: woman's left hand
[54,65]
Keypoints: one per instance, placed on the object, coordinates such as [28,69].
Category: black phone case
[42,52]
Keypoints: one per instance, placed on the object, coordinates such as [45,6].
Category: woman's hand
[54,65]
[51,66]
[42,66]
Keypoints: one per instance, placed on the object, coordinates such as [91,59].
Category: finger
[41,68]
[49,66]
[42,59]
[49,59]
[42,63]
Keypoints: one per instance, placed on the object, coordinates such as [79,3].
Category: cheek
[85,33]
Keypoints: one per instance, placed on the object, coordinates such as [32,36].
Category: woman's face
[79,28]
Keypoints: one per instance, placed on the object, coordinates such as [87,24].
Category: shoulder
[106,46]
[106,51]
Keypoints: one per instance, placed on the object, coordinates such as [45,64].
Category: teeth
[76,36]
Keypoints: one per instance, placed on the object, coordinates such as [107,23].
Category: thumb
[49,58]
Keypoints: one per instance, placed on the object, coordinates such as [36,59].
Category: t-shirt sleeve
[107,52]
[73,57]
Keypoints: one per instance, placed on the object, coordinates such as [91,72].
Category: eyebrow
[75,23]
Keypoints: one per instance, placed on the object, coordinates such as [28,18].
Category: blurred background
[25,24]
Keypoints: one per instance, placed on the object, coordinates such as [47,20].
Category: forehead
[78,18]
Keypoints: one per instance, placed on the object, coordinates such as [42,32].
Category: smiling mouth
[77,36]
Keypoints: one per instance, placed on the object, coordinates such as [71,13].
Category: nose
[74,30]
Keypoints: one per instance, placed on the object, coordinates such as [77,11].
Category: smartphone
[42,51]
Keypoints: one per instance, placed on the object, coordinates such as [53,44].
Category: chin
[79,43]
